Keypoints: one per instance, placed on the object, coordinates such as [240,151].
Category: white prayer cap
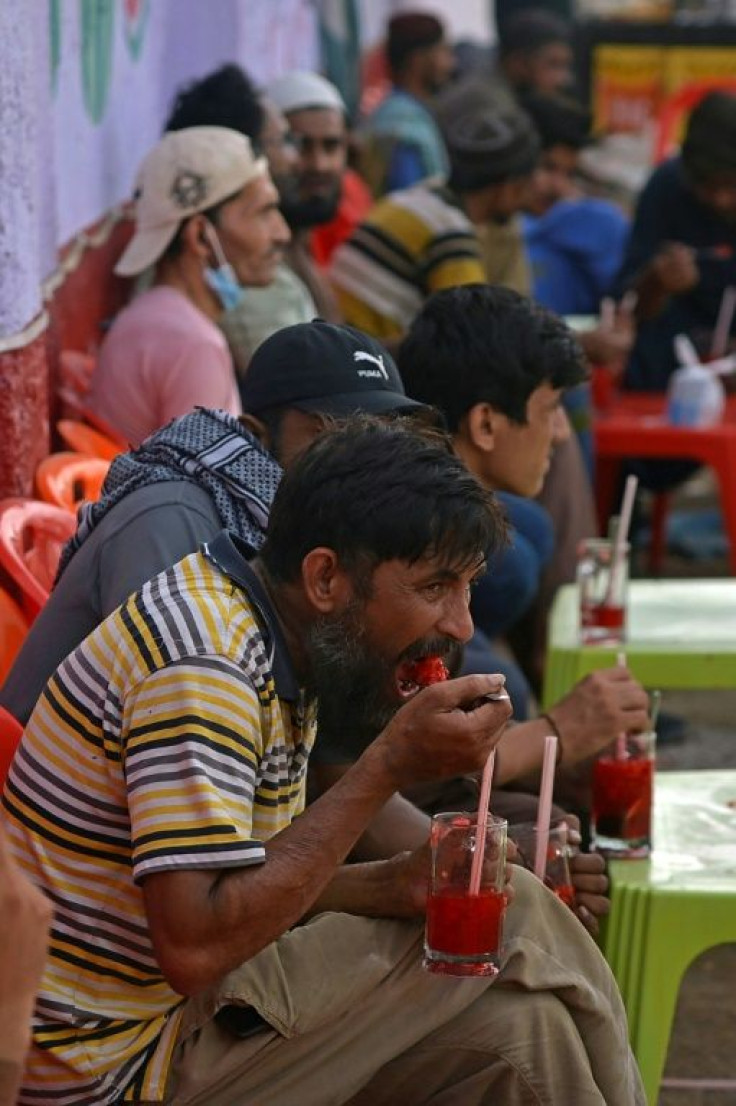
[300,89]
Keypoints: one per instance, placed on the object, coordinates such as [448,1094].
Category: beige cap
[186,172]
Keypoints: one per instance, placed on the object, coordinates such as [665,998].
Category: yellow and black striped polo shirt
[174,736]
[411,244]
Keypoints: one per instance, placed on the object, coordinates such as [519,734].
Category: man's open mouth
[413,675]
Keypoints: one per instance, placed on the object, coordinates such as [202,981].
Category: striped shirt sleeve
[192,739]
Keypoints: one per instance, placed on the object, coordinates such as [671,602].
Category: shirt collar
[229,554]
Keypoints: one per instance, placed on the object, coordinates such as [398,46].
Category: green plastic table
[681,634]
[667,910]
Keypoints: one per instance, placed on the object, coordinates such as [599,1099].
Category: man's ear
[195,239]
[257,428]
[325,582]
[481,424]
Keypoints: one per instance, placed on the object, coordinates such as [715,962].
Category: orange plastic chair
[31,538]
[13,629]
[68,479]
[10,734]
[82,438]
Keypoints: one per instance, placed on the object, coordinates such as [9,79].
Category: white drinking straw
[544,808]
[622,533]
[722,330]
[685,352]
[480,830]
[621,738]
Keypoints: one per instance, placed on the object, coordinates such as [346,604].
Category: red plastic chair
[32,535]
[13,629]
[11,732]
[68,479]
[81,438]
[634,425]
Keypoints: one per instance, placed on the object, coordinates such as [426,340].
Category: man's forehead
[317,121]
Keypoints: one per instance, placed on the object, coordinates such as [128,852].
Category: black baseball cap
[324,367]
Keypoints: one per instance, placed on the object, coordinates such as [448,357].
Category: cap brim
[349,403]
[145,247]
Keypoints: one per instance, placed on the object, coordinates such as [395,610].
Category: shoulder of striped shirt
[426,204]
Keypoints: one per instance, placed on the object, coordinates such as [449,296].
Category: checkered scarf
[209,448]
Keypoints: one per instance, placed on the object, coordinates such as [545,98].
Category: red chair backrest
[10,734]
[86,439]
[32,535]
[13,629]
[68,479]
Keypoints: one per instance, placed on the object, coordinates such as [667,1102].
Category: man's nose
[281,233]
[455,621]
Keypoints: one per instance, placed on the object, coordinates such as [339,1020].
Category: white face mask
[222,280]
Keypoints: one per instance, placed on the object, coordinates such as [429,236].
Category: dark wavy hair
[225,98]
[480,343]
[376,491]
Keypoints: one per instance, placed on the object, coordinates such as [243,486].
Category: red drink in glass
[602,575]
[566,894]
[602,616]
[461,926]
[622,805]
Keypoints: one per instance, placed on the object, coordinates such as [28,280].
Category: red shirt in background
[355,202]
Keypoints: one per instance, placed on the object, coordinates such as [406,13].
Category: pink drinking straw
[621,739]
[480,831]
[544,809]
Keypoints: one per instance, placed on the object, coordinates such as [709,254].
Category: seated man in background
[228,98]
[422,239]
[208,696]
[401,142]
[575,246]
[317,118]
[534,55]
[206,215]
[681,252]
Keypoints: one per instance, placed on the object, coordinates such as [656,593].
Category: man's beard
[353,682]
[313,211]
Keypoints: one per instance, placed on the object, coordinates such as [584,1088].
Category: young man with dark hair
[401,142]
[179,971]
[497,366]
[681,252]
[224,98]
[207,218]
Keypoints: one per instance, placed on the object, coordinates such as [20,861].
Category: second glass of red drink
[603,581]
[623,785]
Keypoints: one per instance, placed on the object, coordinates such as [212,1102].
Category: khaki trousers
[357,1020]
